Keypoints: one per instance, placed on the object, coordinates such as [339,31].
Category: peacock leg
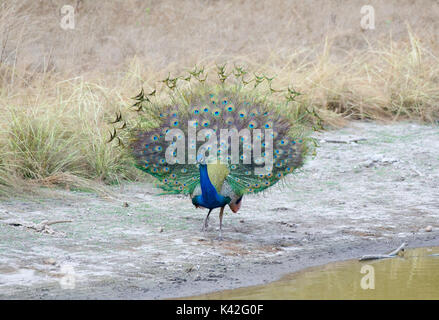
[206,221]
[221,223]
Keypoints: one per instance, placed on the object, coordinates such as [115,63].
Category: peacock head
[235,205]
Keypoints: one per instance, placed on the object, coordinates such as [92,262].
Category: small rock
[242,221]
[50,261]
[367,163]
[428,229]
[161,229]
[126,205]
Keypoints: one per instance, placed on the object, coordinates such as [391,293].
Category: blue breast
[209,197]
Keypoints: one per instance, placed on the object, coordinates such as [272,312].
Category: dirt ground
[352,199]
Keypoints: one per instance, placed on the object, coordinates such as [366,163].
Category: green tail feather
[214,107]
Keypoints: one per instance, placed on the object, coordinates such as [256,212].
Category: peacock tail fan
[165,138]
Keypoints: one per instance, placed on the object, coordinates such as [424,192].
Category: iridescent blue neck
[209,197]
[207,189]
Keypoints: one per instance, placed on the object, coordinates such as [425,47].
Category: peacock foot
[220,236]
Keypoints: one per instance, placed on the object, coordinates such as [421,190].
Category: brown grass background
[165,33]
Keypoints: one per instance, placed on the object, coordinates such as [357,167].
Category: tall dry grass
[59,90]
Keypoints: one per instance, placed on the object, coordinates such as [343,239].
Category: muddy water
[415,275]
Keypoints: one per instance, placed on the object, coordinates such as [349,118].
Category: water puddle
[413,276]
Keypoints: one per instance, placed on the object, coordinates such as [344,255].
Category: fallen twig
[43,226]
[392,254]
[344,141]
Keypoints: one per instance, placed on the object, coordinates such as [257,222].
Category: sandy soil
[351,199]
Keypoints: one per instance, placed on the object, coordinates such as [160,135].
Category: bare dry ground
[352,199]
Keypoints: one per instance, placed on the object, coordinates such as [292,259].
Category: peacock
[214,143]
